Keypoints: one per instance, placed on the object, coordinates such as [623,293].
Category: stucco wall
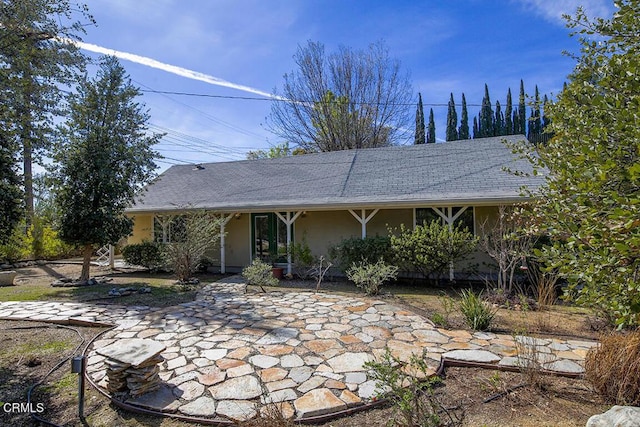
[142,229]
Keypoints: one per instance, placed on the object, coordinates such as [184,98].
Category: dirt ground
[28,351]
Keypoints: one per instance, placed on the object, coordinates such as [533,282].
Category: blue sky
[446,46]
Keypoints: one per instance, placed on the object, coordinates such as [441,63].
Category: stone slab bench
[7,277]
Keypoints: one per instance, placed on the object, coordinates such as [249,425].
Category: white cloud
[552,10]
[184,72]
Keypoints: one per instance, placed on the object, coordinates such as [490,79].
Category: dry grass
[613,368]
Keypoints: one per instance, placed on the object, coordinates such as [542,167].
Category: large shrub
[356,250]
[431,248]
[145,254]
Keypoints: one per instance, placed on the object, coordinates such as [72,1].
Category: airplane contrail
[184,72]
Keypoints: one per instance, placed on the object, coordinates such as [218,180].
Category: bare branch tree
[343,100]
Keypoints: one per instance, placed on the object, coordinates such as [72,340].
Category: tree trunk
[86,261]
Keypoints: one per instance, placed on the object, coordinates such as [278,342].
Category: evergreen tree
[431,134]
[452,121]
[498,125]
[463,130]
[508,115]
[476,131]
[36,60]
[535,126]
[516,122]
[522,112]
[10,192]
[486,118]
[102,159]
[547,133]
[419,134]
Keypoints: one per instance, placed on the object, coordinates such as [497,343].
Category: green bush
[17,248]
[43,242]
[259,274]
[145,254]
[355,250]
[370,277]
[431,249]
[478,313]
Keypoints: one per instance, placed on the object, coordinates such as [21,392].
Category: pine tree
[419,134]
[508,113]
[102,159]
[10,192]
[431,134]
[522,112]
[452,121]
[463,130]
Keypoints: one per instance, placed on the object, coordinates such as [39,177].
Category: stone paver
[227,352]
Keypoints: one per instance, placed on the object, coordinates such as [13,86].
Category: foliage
[259,274]
[36,62]
[274,152]
[16,247]
[431,130]
[10,191]
[102,159]
[343,100]
[431,248]
[478,313]
[145,254]
[370,276]
[452,121]
[463,130]
[589,203]
[355,250]
[410,387]
[43,242]
[190,242]
[613,368]
[419,137]
[302,258]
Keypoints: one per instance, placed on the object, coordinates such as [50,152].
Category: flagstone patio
[229,352]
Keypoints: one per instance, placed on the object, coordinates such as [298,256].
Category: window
[269,237]
[462,216]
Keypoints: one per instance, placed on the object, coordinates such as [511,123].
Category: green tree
[420,137]
[498,121]
[508,115]
[547,134]
[485,117]
[463,130]
[274,152]
[102,159]
[37,58]
[452,121]
[343,100]
[10,192]
[522,112]
[431,133]
[535,125]
[589,204]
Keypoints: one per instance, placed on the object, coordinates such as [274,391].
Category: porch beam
[223,224]
[363,219]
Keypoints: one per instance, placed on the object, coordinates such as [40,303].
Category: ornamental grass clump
[613,368]
[478,313]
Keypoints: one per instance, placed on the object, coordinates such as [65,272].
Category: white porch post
[288,221]
[450,220]
[223,224]
[363,219]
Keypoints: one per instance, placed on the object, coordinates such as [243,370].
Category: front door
[269,237]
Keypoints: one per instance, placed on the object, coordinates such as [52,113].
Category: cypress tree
[498,125]
[431,134]
[419,135]
[546,121]
[508,113]
[535,126]
[463,130]
[522,111]
[452,121]
[486,119]
[476,131]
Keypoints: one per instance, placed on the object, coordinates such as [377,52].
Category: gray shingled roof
[470,172]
